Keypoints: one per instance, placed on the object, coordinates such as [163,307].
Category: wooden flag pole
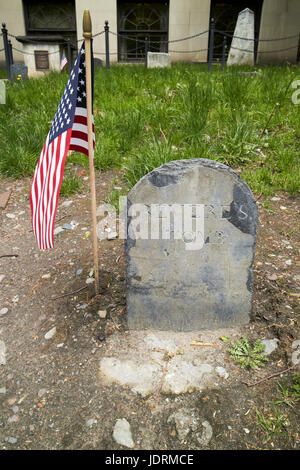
[87,34]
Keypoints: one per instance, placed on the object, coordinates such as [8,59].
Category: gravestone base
[183,284]
[158,59]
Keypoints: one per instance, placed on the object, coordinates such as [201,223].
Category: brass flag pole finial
[87,24]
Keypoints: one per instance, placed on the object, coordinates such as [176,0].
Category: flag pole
[87,34]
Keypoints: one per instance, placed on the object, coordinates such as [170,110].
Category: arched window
[138,21]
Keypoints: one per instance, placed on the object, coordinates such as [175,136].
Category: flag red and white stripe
[68,132]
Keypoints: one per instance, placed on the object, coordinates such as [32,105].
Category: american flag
[64,60]
[68,132]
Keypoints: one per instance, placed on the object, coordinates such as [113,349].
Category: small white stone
[288,262]
[90,280]
[67,203]
[222,372]
[102,313]
[122,433]
[270,345]
[275,198]
[2,353]
[46,276]
[3,311]
[10,216]
[2,276]
[3,390]
[296,354]
[58,230]
[246,430]
[50,333]
[60,345]
[90,422]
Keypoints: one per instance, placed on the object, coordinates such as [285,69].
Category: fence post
[106,29]
[11,57]
[6,49]
[146,51]
[211,44]
[224,52]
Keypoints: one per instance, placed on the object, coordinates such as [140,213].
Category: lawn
[146,117]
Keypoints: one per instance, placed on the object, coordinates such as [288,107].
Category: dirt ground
[52,395]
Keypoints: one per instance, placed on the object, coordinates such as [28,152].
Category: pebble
[46,276]
[50,333]
[2,353]
[206,435]
[58,230]
[296,354]
[67,203]
[270,345]
[102,313]
[10,216]
[2,276]
[67,226]
[11,440]
[3,390]
[288,262]
[78,272]
[246,430]
[222,372]
[60,345]
[3,311]
[81,307]
[275,198]
[90,280]
[90,422]
[13,419]
[122,433]
[283,208]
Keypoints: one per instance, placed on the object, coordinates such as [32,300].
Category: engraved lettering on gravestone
[41,60]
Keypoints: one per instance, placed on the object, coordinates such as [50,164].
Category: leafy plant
[245,354]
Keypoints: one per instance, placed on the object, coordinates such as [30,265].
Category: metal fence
[144,45]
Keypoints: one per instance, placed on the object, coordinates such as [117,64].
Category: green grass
[273,423]
[144,118]
[289,394]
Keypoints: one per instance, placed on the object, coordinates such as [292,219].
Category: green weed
[273,423]
[245,354]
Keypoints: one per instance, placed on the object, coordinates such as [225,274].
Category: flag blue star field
[68,132]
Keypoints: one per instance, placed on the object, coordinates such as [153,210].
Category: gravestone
[184,277]
[18,71]
[158,59]
[98,62]
[242,45]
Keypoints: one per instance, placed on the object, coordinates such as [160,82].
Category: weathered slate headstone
[19,71]
[158,59]
[195,280]
[242,45]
